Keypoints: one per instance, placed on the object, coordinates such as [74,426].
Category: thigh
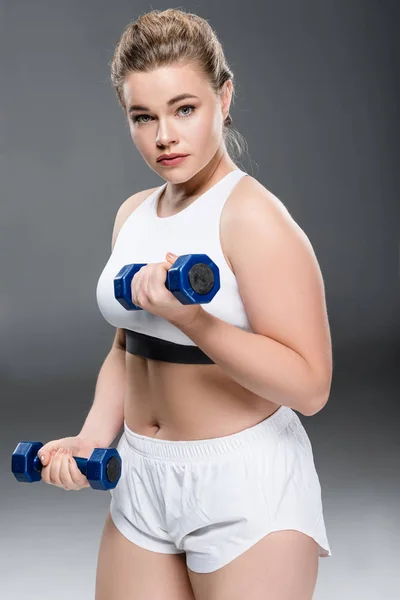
[281,566]
[127,572]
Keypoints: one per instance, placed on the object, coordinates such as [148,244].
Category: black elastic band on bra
[157,349]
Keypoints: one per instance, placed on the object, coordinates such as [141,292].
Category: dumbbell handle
[103,468]
[133,269]
[81,464]
[192,279]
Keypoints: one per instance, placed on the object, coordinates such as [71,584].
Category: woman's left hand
[150,293]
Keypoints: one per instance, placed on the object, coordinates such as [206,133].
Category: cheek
[141,141]
[133,135]
[207,132]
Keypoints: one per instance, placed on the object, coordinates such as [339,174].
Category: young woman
[219,496]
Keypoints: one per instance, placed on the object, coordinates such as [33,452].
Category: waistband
[191,449]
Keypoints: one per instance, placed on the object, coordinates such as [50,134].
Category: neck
[175,194]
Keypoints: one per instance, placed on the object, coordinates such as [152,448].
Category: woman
[219,496]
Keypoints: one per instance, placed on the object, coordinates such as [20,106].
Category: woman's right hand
[59,466]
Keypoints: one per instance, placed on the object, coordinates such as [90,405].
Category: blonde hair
[173,36]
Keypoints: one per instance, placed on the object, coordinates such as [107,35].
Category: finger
[142,288]
[142,284]
[54,473]
[65,476]
[46,469]
[171,257]
[148,285]
[135,301]
[45,452]
[76,476]
[154,281]
[134,289]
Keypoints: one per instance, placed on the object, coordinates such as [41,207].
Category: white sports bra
[144,238]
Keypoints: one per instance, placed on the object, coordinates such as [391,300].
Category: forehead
[162,83]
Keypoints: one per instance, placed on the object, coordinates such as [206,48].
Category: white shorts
[213,499]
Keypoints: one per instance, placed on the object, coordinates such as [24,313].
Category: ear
[226,98]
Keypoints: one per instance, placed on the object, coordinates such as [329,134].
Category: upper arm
[123,213]
[279,279]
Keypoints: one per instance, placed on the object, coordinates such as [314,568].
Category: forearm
[258,363]
[106,416]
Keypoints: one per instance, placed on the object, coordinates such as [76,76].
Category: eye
[193,108]
[138,118]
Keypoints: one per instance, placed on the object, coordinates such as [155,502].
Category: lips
[170,156]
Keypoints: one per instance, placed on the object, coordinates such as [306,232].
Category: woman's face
[191,126]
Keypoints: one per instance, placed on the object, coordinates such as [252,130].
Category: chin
[176,175]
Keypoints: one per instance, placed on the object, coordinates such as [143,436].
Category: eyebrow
[169,103]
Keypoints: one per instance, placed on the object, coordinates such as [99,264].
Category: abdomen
[176,401]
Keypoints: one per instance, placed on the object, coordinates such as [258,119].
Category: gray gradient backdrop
[317,101]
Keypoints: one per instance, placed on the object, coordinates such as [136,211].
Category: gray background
[317,101]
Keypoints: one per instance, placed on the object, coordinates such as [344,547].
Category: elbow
[312,408]
[316,402]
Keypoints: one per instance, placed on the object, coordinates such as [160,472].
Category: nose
[165,135]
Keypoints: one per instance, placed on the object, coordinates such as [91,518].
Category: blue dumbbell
[192,279]
[102,469]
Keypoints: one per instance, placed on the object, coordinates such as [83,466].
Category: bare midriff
[173,401]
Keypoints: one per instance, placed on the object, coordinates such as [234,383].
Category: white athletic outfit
[212,499]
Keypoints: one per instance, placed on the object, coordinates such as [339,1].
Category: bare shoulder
[127,208]
[250,195]
[250,202]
